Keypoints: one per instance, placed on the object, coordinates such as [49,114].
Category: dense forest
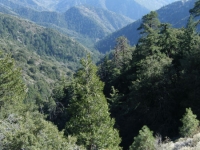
[138,97]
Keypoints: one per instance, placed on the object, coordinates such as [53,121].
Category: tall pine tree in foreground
[90,120]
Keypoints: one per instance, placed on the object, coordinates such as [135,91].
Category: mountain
[43,54]
[19,3]
[128,8]
[94,22]
[80,22]
[176,14]
[154,4]
[134,9]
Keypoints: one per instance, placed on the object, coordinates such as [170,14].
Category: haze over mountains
[90,21]
[134,9]
[176,14]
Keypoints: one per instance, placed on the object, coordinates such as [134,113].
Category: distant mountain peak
[155,4]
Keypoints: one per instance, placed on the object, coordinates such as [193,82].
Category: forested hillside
[154,82]
[141,97]
[43,54]
[129,8]
[134,9]
[85,24]
[176,14]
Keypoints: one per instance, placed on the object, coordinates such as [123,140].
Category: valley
[99,74]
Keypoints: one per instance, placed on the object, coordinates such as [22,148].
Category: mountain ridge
[176,14]
[100,20]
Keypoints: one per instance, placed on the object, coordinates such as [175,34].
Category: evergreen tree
[147,44]
[144,141]
[122,54]
[21,126]
[168,40]
[196,10]
[189,38]
[90,121]
[12,88]
[190,124]
[149,21]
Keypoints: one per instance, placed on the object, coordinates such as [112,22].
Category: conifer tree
[122,54]
[90,121]
[190,124]
[144,141]
[147,44]
[196,10]
[189,38]
[12,88]
[21,127]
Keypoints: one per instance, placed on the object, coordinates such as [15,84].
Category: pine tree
[90,121]
[196,10]
[122,54]
[149,21]
[144,141]
[189,38]
[147,44]
[12,88]
[190,124]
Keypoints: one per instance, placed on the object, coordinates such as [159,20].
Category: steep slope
[128,8]
[176,14]
[134,9]
[86,24]
[94,22]
[43,54]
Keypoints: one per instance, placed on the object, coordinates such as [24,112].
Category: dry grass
[180,144]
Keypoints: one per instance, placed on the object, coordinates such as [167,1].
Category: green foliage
[90,121]
[56,106]
[147,44]
[37,51]
[73,22]
[153,67]
[161,80]
[190,124]
[30,131]
[122,54]
[149,22]
[21,126]
[144,141]
[195,11]
[12,88]
[44,41]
